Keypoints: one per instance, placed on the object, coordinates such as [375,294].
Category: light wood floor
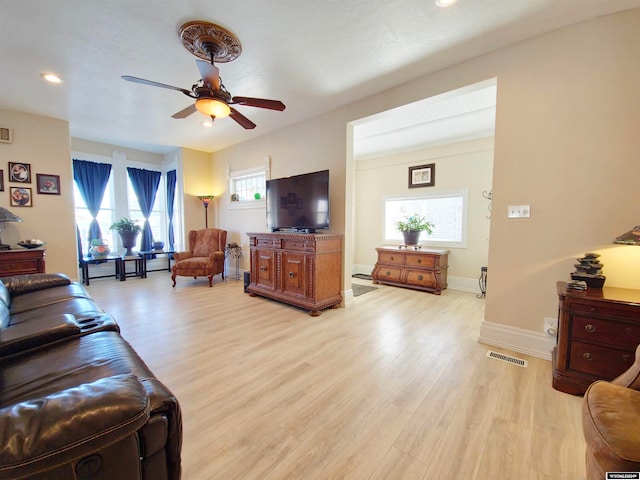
[393,387]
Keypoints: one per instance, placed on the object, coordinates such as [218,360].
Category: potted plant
[98,248]
[128,230]
[412,225]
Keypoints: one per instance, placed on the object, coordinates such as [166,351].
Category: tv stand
[300,269]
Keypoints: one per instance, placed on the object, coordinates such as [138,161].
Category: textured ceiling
[314,56]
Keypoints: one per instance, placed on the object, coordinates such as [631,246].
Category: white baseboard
[524,341]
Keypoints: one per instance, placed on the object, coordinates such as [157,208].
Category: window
[447,210]
[105,215]
[158,214]
[245,185]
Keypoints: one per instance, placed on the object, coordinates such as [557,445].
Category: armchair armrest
[177,256]
[631,378]
[18,284]
[43,433]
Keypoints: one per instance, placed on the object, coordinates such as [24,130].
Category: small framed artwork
[20,172]
[6,135]
[1,180]
[422,176]
[48,184]
[20,197]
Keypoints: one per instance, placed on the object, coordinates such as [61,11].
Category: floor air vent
[507,358]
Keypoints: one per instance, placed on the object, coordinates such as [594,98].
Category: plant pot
[411,237]
[158,245]
[128,242]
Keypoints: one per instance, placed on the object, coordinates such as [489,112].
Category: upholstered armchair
[205,257]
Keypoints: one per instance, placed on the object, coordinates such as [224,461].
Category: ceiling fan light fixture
[213,106]
[445,3]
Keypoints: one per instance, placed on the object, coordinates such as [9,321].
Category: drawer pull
[388,273]
[626,357]
[419,260]
[587,356]
[391,257]
[628,330]
[590,328]
[291,274]
[419,277]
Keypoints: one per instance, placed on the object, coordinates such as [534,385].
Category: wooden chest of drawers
[423,269]
[598,332]
[16,262]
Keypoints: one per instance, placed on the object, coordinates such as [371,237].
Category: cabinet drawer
[606,310]
[608,332]
[420,261]
[421,278]
[298,245]
[391,258]
[599,361]
[384,273]
[264,242]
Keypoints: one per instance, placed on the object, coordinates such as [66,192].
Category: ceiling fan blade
[185,112]
[210,73]
[129,78]
[259,102]
[241,119]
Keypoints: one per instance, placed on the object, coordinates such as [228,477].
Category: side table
[149,254]
[140,266]
[234,253]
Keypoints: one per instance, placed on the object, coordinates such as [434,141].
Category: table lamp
[6,216]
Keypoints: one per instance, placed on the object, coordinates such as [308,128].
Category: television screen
[300,202]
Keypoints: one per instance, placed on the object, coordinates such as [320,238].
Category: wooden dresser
[423,269]
[296,268]
[16,262]
[598,332]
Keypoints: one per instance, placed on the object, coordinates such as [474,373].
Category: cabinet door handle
[626,356]
[587,356]
[589,328]
[419,260]
[419,277]
[263,269]
[291,274]
[627,330]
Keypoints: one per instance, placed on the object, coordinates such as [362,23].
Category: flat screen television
[299,203]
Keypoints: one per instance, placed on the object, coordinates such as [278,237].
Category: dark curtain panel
[145,185]
[79,242]
[171,193]
[92,179]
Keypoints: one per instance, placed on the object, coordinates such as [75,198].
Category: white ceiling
[314,56]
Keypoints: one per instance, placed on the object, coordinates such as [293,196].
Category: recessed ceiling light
[51,77]
[445,3]
[206,123]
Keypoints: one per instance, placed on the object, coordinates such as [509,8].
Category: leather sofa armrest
[19,284]
[42,433]
[24,336]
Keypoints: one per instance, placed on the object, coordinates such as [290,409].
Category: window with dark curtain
[171,193]
[145,185]
[91,179]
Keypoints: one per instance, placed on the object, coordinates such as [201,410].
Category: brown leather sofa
[76,401]
[611,424]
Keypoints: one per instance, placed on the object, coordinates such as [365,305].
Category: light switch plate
[518,211]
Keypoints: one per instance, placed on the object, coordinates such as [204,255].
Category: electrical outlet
[551,326]
[518,211]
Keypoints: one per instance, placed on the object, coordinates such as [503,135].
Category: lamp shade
[7,216]
[632,237]
[213,107]
[206,199]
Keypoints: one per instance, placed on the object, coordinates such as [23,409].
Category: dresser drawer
[421,278]
[391,258]
[607,310]
[384,273]
[608,332]
[599,361]
[420,261]
[298,245]
[264,242]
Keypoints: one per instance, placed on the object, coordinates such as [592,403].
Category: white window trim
[424,239]
[231,176]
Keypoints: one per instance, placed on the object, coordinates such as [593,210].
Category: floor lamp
[7,216]
[206,199]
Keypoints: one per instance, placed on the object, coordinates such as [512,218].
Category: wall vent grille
[507,358]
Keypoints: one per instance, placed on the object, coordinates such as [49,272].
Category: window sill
[247,204]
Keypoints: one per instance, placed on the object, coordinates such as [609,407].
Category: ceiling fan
[212,43]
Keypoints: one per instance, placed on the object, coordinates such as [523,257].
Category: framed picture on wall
[1,180]
[19,172]
[422,176]
[20,197]
[48,184]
